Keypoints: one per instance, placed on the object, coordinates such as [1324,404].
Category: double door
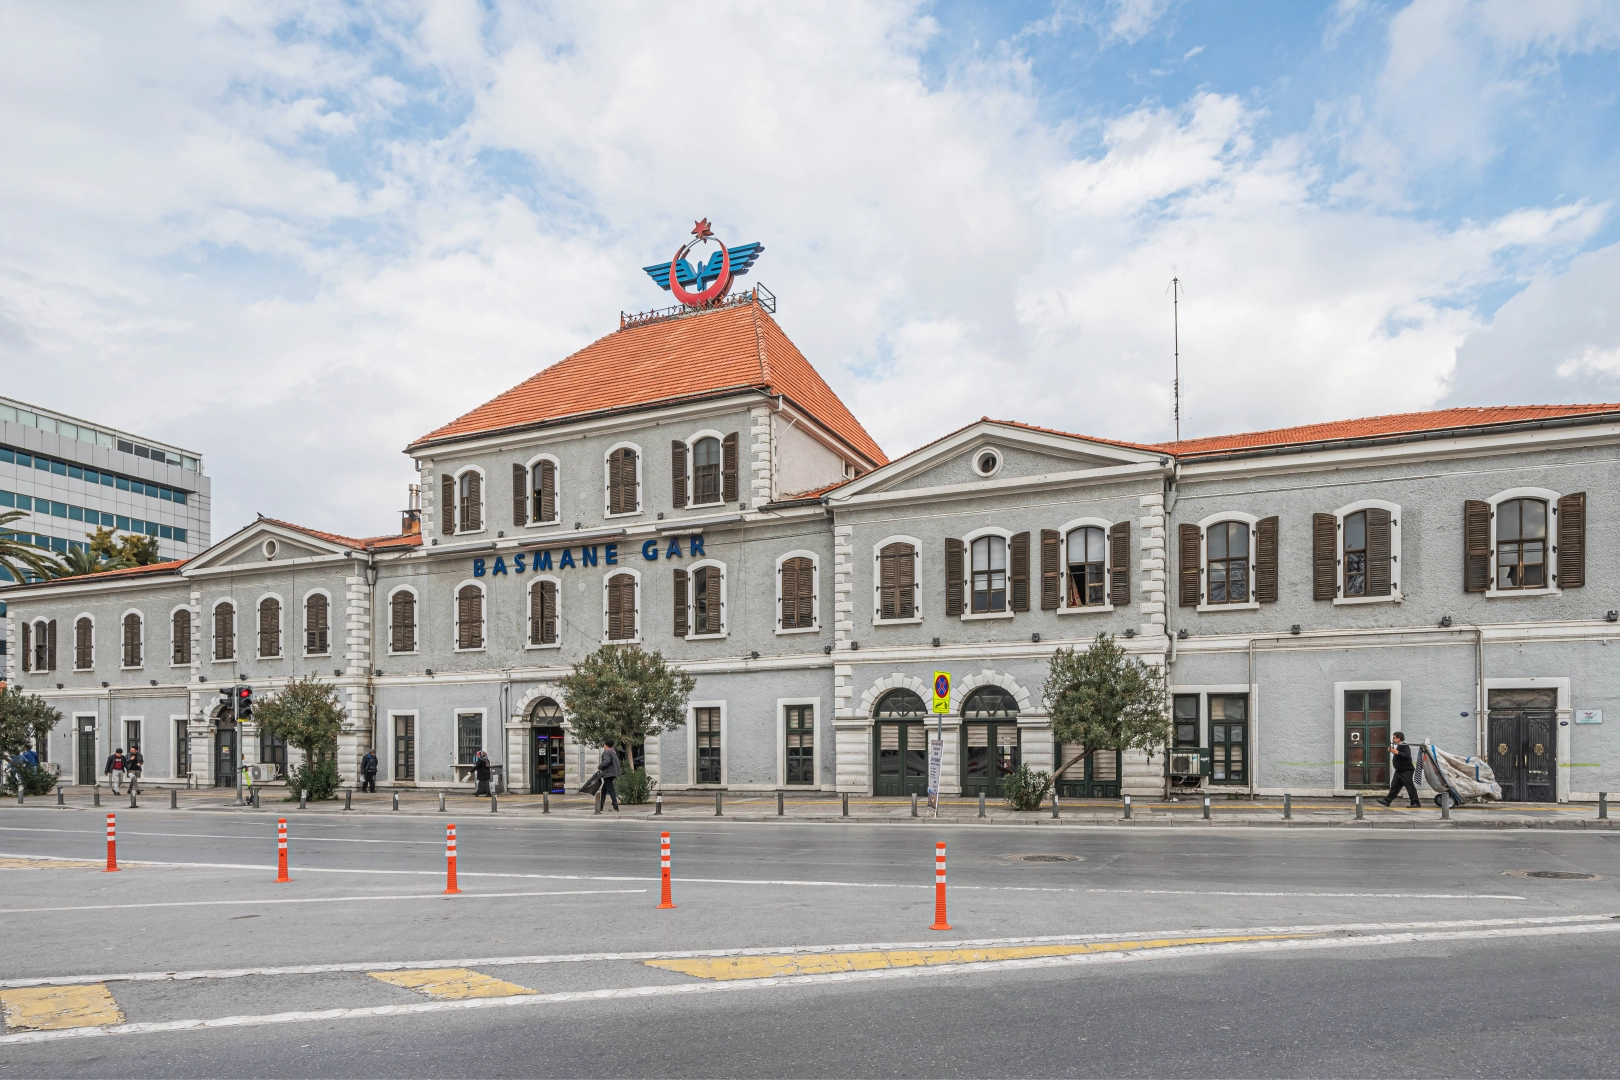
[1523,726]
[989,752]
[902,759]
[87,752]
[546,761]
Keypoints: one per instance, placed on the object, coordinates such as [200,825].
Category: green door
[1229,738]
[1366,739]
[546,762]
[224,757]
[1096,777]
[902,758]
[87,752]
[989,744]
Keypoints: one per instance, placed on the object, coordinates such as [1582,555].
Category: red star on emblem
[701,230]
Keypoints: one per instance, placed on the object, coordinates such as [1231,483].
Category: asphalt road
[1137,952]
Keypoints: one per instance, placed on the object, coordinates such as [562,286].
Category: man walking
[609,770]
[368,772]
[134,762]
[1401,757]
[114,769]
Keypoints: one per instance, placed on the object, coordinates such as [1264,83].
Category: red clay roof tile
[128,571]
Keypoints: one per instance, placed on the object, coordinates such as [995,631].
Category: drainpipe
[371,647]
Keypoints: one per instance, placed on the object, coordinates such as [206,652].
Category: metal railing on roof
[759,294]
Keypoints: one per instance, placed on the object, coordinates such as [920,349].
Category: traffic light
[227,698]
[244,702]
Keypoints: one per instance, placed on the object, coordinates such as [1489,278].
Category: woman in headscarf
[481,771]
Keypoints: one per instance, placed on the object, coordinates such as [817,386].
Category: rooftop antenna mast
[1175,315]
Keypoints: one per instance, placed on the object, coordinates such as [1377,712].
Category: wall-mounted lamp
[936,643]
[337,671]
[202,678]
[152,681]
[854,645]
[377,672]
[579,524]
[433,542]
[1037,637]
[827,649]
[753,655]
[430,673]
[1445,620]
[1294,629]
[103,684]
[1130,631]
[500,533]
[1612,615]
[1182,634]
[59,685]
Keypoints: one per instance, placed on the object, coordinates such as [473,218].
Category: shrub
[320,778]
[635,787]
[1025,788]
[36,780]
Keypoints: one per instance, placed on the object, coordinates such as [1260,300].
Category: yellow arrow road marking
[765,967]
[49,1008]
[451,984]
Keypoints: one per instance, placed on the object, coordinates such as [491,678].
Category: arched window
[317,636]
[620,603]
[990,747]
[132,640]
[44,645]
[706,471]
[623,481]
[897,703]
[900,744]
[542,503]
[798,599]
[469,617]
[897,581]
[84,643]
[224,631]
[1227,562]
[989,574]
[470,501]
[1088,561]
[543,612]
[180,636]
[1521,544]
[402,621]
[269,628]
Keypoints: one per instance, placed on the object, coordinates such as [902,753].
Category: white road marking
[669,990]
[798,883]
[771,950]
[269,833]
[313,900]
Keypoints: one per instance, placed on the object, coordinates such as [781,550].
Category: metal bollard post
[780,808]
[717,811]
[846,804]
[1603,806]
[1055,812]
[441,802]
[257,793]
[1127,808]
[60,800]
[545,802]
[1359,815]
[658,806]
[396,800]
[1445,806]
[492,802]
[174,798]
[981,804]
[20,795]
[348,799]
[303,798]
[131,798]
[1288,807]
[913,803]
[95,796]
[1206,807]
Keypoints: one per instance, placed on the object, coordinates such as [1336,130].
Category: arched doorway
[989,740]
[900,744]
[546,748]
[226,755]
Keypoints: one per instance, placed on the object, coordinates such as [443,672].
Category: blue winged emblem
[743,257]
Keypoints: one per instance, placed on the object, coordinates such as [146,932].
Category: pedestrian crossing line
[772,967]
[52,1008]
[451,984]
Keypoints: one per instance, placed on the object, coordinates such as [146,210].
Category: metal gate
[1522,752]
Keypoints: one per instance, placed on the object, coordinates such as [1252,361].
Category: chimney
[410,521]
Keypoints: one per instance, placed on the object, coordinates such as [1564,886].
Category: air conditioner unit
[1184,763]
[262,773]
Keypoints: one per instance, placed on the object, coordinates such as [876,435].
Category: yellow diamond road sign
[942,692]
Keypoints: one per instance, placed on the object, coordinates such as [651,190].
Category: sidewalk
[828,807]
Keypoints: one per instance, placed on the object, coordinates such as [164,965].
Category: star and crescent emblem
[707,281]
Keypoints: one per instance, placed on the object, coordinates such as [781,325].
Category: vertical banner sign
[936,758]
[936,748]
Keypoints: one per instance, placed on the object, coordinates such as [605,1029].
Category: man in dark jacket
[609,768]
[368,771]
[115,769]
[1400,755]
[134,762]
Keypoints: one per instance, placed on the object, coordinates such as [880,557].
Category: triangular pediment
[266,544]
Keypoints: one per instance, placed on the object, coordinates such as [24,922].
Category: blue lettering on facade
[607,554]
[674,551]
[565,559]
[517,563]
[587,556]
[542,561]
[478,568]
[649,550]
[696,543]
[610,554]
[499,567]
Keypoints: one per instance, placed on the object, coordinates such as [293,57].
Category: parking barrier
[60,799]
[717,811]
[257,794]
[981,804]
[281,850]
[913,804]
[1055,812]
[303,798]
[112,844]
[1359,814]
[1127,808]
[666,896]
[1206,807]
[95,795]
[1445,806]
[545,802]
[174,798]
[658,806]
[450,860]
[846,804]
[441,802]
[779,807]
[19,793]
[1288,807]
[1603,806]
[939,888]
[493,806]
[132,803]
[348,799]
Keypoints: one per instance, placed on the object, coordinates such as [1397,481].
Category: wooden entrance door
[1366,739]
[1522,752]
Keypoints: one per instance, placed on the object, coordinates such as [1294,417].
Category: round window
[986,462]
[269,547]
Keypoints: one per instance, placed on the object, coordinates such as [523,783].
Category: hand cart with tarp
[1465,779]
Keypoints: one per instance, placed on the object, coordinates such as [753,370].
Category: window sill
[1492,594]
[468,532]
[543,524]
[987,615]
[1251,605]
[798,630]
[317,655]
[412,652]
[1100,609]
[897,622]
[622,641]
[173,664]
[223,660]
[277,656]
[121,667]
[1392,598]
[721,636]
[479,648]
[624,514]
[718,504]
[83,670]
[542,648]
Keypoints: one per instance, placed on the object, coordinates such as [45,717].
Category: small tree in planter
[24,720]
[619,696]
[1105,699]
[307,714]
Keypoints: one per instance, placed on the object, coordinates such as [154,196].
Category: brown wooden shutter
[728,468]
[1324,556]
[1476,545]
[225,632]
[447,504]
[1266,543]
[1119,564]
[905,577]
[1018,576]
[548,605]
[50,645]
[538,608]
[132,640]
[1572,541]
[81,644]
[678,475]
[680,603]
[888,581]
[397,640]
[1190,539]
[1051,571]
[1380,563]
[269,628]
[520,496]
[546,491]
[28,646]
[954,586]
[805,594]
[317,639]
[708,583]
[627,605]
[475,501]
[798,594]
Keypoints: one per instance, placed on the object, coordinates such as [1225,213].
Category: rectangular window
[59,509]
[469,737]
[75,472]
[706,725]
[180,497]
[121,522]
[1186,721]
[123,483]
[59,468]
[1355,554]
[1229,738]
[75,513]
[273,751]
[179,534]
[1227,557]
[989,574]
[166,532]
[404,748]
[108,480]
[1366,738]
[7,499]
[24,459]
[165,494]
[132,734]
[182,749]
[801,743]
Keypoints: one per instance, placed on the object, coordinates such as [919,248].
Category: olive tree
[24,720]
[308,714]
[1105,699]
[619,696]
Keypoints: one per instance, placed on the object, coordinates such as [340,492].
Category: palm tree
[81,560]
[19,557]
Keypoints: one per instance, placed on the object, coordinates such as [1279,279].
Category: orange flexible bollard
[112,846]
[281,850]
[667,900]
[450,859]
[939,888]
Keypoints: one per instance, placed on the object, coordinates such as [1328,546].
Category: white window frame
[1551,498]
[614,572]
[607,482]
[691,470]
[123,730]
[483,500]
[75,625]
[1108,566]
[281,625]
[455,739]
[556,473]
[877,581]
[1395,573]
[691,601]
[973,460]
[1339,690]
[416,624]
[141,622]
[528,612]
[195,618]
[725,743]
[1252,520]
[967,573]
[236,638]
[815,592]
[455,617]
[781,742]
[1203,692]
[303,623]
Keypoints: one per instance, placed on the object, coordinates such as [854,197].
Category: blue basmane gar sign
[607,555]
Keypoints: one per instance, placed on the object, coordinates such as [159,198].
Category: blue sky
[347,223]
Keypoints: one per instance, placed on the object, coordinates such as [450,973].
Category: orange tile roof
[128,571]
[726,350]
[1375,426]
[394,540]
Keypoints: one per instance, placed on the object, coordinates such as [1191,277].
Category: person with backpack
[114,769]
[134,762]
[368,772]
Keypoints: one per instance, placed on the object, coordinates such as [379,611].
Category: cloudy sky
[294,236]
